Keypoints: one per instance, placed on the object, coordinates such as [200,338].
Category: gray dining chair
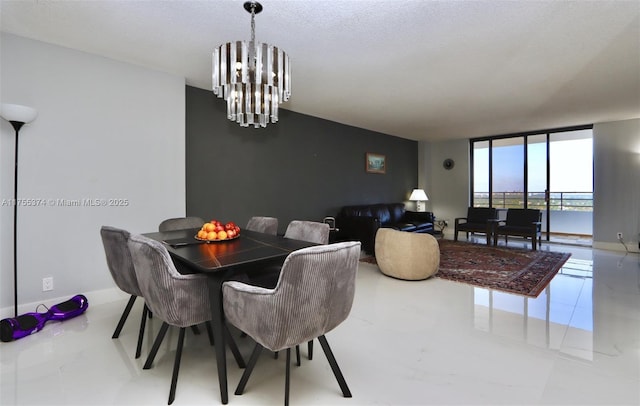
[180,223]
[267,225]
[176,299]
[114,241]
[314,294]
[311,231]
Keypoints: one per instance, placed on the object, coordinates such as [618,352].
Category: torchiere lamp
[18,116]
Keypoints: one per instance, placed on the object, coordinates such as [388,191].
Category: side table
[441,224]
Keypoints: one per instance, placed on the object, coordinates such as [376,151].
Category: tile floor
[432,342]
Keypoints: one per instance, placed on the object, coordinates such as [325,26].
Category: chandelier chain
[252,44]
[253,24]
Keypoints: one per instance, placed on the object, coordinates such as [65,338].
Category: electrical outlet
[47,284]
[619,235]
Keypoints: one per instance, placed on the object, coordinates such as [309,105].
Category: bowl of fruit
[217,231]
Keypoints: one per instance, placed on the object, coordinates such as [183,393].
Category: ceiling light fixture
[253,77]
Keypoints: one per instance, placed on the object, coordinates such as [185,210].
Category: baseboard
[95,297]
[616,246]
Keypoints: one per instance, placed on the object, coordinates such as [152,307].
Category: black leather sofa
[360,223]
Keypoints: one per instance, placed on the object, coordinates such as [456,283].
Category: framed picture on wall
[375,163]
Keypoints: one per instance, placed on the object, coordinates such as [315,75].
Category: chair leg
[176,366]
[156,346]
[297,355]
[310,349]
[143,323]
[334,366]
[287,376]
[195,329]
[234,348]
[124,316]
[247,372]
[210,332]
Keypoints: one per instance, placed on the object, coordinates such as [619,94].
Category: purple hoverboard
[30,323]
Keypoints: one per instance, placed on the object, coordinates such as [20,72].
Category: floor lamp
[18,116]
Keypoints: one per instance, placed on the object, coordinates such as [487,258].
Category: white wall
[616,184]
[105,130]
[448,190]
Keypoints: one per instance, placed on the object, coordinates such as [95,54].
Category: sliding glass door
[547,170]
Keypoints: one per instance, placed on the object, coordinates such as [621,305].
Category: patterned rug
[513,270]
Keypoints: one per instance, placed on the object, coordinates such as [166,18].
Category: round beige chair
[408,256]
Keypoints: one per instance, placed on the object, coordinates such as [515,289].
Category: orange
[208,227]
[212,235]
[202,234]
[222,235]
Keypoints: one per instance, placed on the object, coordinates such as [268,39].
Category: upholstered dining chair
[298,230]
[267,225]
[314,294]
[180,223]
[176,299]
[114,241]
[311,231]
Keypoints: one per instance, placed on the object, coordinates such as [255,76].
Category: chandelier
[252,77]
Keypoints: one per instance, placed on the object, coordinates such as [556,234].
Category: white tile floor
[433,342]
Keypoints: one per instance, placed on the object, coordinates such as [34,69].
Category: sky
[571,167]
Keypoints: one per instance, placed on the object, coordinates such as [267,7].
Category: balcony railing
[558,201]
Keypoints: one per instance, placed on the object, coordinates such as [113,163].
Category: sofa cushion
[402,226]
[397,212]
[356,211]
[381,211]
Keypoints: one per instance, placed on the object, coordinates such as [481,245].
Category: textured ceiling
[415,69]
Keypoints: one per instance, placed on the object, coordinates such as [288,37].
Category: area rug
[520,271]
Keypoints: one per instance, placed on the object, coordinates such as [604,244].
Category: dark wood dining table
[221,261]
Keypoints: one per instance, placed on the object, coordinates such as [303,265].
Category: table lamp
[419,196]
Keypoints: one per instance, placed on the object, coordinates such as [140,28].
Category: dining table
[222,260]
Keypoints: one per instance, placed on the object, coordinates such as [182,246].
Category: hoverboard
[30,323]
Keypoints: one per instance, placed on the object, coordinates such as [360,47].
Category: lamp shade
[418,195]
[18,113]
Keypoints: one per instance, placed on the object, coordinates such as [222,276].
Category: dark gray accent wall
[302,167]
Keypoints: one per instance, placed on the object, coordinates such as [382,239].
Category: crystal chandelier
[253,77]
